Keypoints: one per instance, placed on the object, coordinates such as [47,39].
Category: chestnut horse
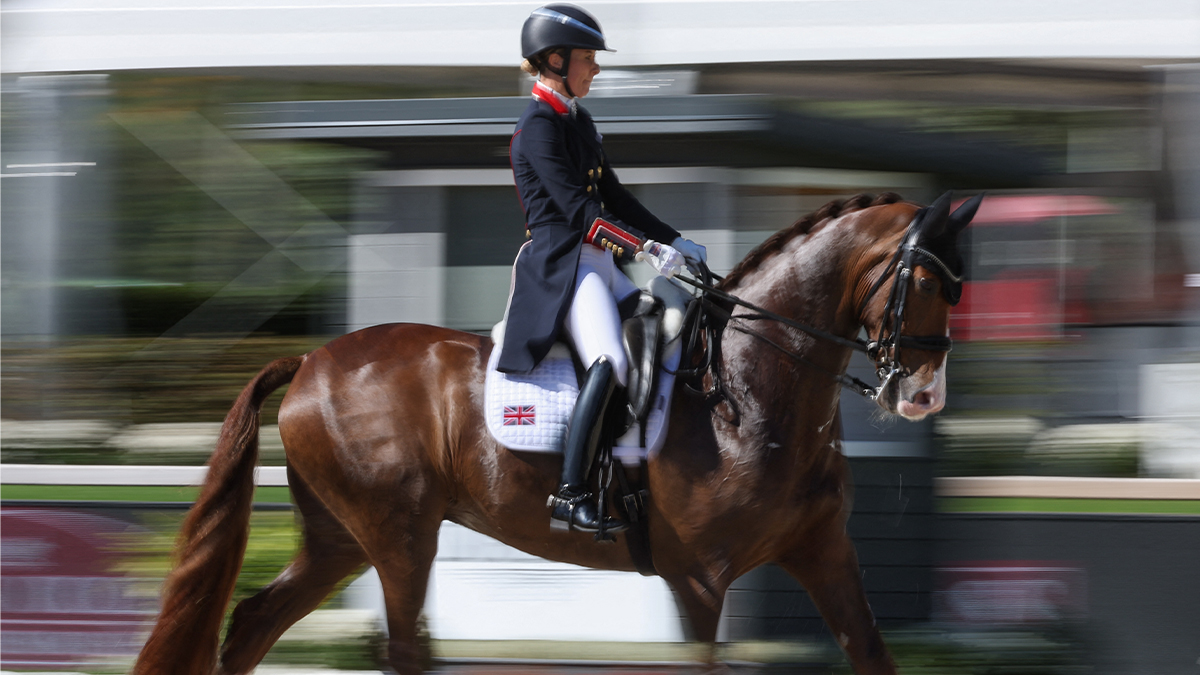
[385,439]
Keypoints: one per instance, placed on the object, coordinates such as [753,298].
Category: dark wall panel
[1142,578]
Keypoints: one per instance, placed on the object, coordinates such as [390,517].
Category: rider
[578,219]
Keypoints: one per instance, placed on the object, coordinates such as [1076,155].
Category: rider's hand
[661,257]
[694,252]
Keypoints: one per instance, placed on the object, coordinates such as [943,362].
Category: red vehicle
[1031,263]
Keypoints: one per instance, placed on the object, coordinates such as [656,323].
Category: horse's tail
[212,541]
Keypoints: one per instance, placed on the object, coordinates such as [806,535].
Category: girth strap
[631,505]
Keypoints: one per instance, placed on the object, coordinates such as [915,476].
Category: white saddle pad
[530,412]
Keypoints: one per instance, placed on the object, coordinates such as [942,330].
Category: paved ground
[573,669]
[568,668]
[513,669]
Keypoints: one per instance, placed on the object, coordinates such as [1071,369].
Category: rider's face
[583,69]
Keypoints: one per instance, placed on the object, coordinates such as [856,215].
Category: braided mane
[775,242]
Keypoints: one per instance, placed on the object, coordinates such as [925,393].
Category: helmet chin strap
[562,72]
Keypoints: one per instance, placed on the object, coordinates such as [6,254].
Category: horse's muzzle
[925,401]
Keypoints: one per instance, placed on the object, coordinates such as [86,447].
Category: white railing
[1064,487]
[1067,487]
[66,474]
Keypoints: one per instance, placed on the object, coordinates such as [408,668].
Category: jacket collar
[561,104]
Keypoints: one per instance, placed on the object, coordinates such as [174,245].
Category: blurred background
[192,189]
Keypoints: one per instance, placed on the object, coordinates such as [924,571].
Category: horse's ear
[935,217]
[963,214]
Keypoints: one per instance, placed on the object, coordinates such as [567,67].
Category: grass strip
[796,651]
[1065,505]
[127,493]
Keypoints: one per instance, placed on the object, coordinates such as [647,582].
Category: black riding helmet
[560,26]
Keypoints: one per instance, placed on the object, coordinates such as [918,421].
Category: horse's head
[910,277]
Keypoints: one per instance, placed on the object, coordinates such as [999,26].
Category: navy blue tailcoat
[568,190]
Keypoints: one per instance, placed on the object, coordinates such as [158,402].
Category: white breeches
[593,322]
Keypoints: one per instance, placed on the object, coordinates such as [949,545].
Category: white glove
[661,257]
[694,252]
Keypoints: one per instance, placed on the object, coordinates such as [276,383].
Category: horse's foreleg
[328,555]
[702,603]
[828,570]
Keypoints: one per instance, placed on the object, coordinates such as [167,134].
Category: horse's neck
[805,282]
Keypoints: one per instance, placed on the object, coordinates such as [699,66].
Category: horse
[385,439]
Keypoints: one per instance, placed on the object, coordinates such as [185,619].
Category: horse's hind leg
[828,570]
[403,552]
[327,555]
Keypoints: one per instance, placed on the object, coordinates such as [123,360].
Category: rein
[900,268]
[845,380]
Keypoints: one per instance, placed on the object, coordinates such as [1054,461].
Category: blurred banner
[66,603]
[1000,593]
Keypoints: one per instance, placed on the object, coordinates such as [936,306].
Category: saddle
[640,335]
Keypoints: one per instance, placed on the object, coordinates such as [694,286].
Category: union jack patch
[519,415]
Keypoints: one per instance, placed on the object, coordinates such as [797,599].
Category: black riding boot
[574,507]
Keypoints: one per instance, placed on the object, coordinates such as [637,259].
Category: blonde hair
[535,64]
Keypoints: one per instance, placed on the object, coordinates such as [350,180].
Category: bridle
[883,350]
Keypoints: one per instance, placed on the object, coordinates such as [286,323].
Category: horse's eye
[925,284]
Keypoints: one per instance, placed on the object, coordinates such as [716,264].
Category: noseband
[884,350]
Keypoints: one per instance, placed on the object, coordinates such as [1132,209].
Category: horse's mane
[775,242]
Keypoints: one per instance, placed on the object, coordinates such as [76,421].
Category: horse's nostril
[923,399]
